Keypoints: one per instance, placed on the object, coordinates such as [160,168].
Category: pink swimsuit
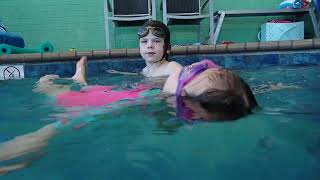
[97,96]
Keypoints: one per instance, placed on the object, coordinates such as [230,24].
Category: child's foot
[81,73]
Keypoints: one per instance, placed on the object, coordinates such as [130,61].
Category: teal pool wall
[232,61]
[232,56]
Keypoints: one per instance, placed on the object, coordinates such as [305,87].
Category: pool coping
[306,44]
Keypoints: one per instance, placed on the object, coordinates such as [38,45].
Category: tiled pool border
[234,56]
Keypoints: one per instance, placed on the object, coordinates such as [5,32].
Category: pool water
[144,140]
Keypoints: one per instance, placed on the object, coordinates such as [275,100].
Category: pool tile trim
[176,50]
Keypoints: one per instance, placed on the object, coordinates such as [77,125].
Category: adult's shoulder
[173,66]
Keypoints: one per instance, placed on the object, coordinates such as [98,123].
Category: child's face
[151,48]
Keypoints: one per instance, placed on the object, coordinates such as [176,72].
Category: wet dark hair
[162,26]
[224,105]
[220,105]
[251,100]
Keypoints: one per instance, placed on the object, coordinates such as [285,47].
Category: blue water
[146,141]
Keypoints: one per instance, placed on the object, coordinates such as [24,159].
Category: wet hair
[222,105]
[250,99]
[162,26]
[232,82]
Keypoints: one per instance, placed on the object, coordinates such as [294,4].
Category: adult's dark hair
[251,100]
[224,105]
[228,104]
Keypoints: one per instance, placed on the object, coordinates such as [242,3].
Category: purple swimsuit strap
[191,71]
[186,75]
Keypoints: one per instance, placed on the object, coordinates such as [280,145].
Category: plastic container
[281,31]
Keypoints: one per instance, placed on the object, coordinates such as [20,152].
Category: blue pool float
[11,39]
[11,43]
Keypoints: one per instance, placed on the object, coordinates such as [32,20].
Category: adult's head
[218,90]
[154,28]
[222,82]
[212,106]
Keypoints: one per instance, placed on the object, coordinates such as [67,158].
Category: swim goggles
[158,32]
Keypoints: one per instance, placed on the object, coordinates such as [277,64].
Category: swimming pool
[145,141]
